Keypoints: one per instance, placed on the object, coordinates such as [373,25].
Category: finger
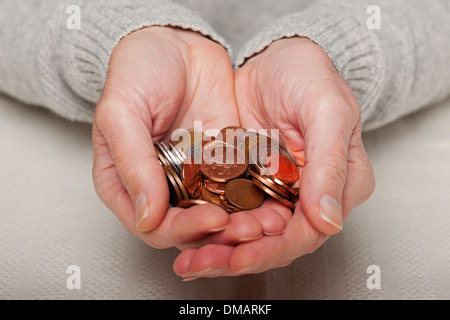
[186,225]
[208,261]
[268,220]
[256,256]
[272,216]
[243,227]
[131,147]
[327,139]
[360,180]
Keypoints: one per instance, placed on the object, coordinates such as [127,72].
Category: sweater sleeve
[46,62]
[394,70]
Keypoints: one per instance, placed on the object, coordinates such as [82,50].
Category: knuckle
[334,166]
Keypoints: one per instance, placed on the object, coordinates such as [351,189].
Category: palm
[292,86]
[144,102]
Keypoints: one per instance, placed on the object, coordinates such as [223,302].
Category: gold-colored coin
[243,194]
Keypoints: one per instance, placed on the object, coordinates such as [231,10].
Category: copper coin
[243,194]
[190,202]
[161,157]
[270,184]
[282,168]
[274,195]
[295,198]
[230,134]
[179,183]
[191,177]
[227,206]
[275,161]
[258,153]
[259,140]
[214,186]
[293,191]
[222,162]
[175,192]
[210,197]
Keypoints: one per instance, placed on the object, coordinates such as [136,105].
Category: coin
[161,157]
[230,134]
[175,192]
[222,162]
[243,194]
[210,197]
[275,161]
[214,186]
[191,177]
[177,152]
[227,206]
[169,157]
[258,153]
[282,168]
[179,183]
[293,191]
[270,184]
[195,152]
[190,202]
[218,170]
[274,195]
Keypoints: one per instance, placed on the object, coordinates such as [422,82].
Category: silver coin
[195,152]
[178,153]
[170,157]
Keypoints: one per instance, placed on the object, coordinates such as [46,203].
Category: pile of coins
[237,170]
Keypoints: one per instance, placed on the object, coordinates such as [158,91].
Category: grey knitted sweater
[396,59]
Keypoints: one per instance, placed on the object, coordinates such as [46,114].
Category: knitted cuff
[351,46]
[85,52]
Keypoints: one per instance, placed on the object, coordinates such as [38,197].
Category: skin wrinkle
[251,78]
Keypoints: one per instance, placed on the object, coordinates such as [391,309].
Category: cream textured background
[50,218]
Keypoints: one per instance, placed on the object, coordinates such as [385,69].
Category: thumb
[327,138]
[133,155]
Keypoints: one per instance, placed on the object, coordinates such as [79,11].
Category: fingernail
[189,279]
[248,269]
[208,272]
[250,238]
[274,233]
[331,212]
[141,207]
[219,229]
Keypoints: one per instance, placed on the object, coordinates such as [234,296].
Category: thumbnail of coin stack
[236,173]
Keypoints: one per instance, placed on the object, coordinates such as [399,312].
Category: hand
[161,79]
[294,87]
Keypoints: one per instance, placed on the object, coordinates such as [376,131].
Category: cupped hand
[293,86]
[160,79]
